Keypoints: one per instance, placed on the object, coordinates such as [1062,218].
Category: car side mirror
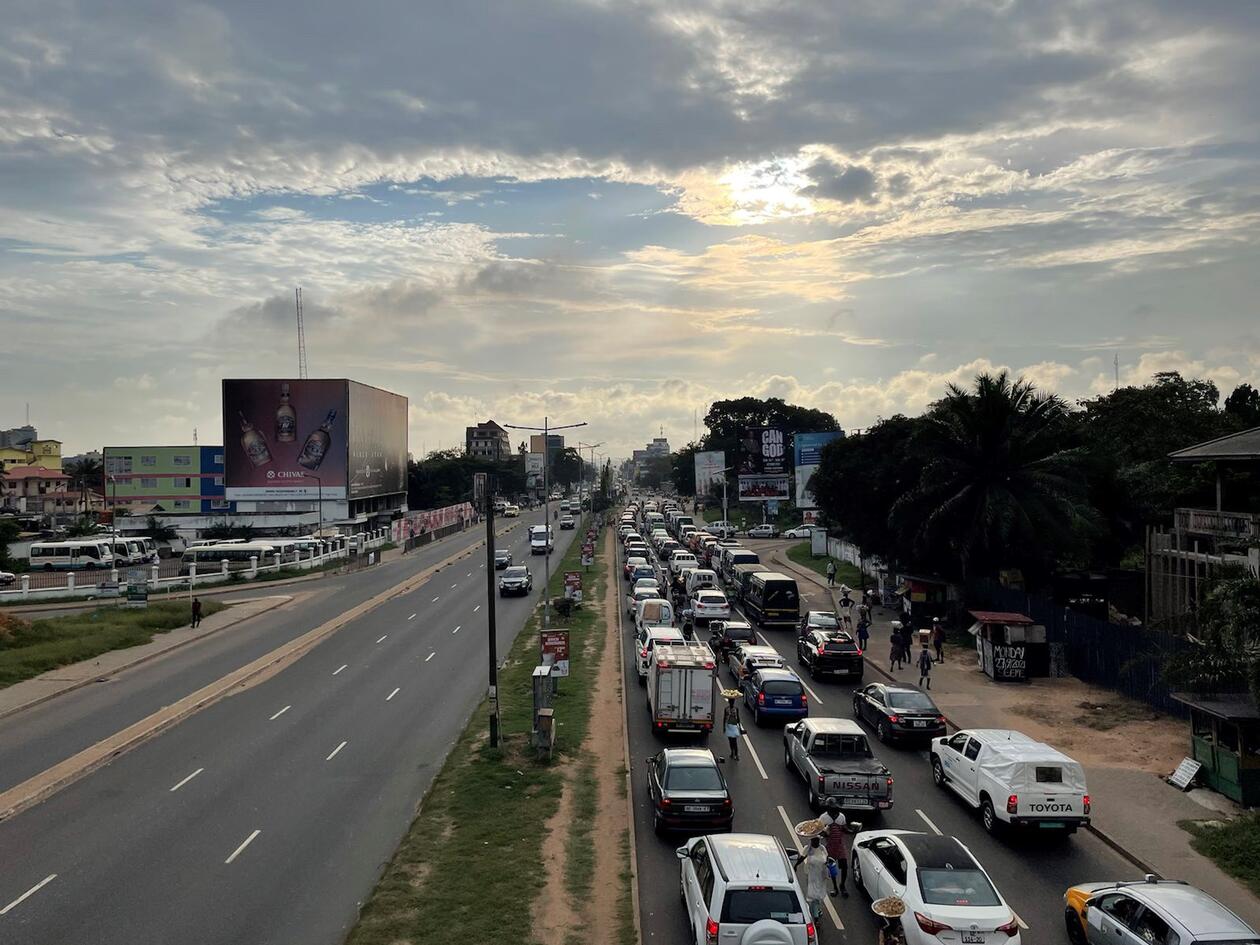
[683,853]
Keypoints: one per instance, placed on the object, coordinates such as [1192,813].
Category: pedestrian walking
[732,726]
[925,668]
[196,612]
[816,875]
[864,634]
[864,611]
[837,849]
[938,639]
[894,651]
[831,573]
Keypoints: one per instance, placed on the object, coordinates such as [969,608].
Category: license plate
[695,809]
[782,701]
[919,723]
[974,938]
[1050,824]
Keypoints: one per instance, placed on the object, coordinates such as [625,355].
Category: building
[45,453]
[555,446]
[488,441]
[39,491]
[18,436]
[90,456]
[658,447]
[166,480]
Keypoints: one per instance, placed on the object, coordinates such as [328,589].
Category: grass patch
[1232,845]
[845,572]
[28,648]
[470,866]
[626,934]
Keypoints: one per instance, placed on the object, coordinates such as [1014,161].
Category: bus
[772,600]
[73,555]
[237,554]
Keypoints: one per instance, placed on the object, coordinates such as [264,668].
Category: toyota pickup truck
[836,761]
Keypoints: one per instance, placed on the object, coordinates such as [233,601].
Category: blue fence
[1113,656]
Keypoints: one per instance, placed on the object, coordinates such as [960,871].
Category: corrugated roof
[998,616]
[1243,445]
[33,472]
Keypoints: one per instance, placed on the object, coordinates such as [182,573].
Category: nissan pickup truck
[836,761]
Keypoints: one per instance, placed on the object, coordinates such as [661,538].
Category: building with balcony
[39,491]
[167,480]
[44,453]
[488,441]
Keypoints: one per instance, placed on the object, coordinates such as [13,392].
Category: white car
[708,605]
[755,654]
[943,886]
[682,559]
[800,531]
[648,639]
[638,594]
[512,511]
[762,531]
[722,529]
[741,888]
[7,578]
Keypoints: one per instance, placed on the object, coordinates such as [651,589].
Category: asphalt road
[1031,873]
[267,817]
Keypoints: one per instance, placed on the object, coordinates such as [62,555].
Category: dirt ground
[555,918]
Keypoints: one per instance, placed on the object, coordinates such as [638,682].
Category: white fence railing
[343,548]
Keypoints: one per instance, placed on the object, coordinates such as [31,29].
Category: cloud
[851,183]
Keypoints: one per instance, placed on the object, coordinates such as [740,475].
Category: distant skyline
[618,213]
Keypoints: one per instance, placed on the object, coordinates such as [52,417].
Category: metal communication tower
[301,336]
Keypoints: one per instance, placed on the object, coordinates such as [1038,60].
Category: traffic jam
[882,823]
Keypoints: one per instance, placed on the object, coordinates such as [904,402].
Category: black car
[688,792]
[516,580]
[830,653]
[897,711]
[725,635]
[817,620]
[502,558]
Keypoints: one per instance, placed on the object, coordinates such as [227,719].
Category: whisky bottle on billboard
[316,446]
[254,443]
[286,418]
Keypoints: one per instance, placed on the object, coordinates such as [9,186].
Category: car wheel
[938,773]
[813,800]
[881,730]
[988,816]
[1075,931]
[757,717]
[658,827]
[857,710]
[643,682]
[787,758]
[857,876]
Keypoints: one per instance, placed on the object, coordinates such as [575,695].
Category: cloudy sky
[618,211]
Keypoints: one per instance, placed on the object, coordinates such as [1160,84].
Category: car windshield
[823,620]
[746,906]
[514,573]
[503,554]
[910,700]
[781,687]
[951,887]
[692,778]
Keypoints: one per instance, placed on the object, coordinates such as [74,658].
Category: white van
[700,577]
[541,539]
[1015,780]
[72,555]
[653,613]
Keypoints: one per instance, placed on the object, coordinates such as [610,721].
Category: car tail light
[931,926]
[859,652]
[890,780]
[761,698]
[811,934]
[1012,804]
[1011,928]
[894,719]
[804,699]
[822,782]
[643,652]
[726,802]
[666,802]
[940,719]
[1087,803]
[711,931]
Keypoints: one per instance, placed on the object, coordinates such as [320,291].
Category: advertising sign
[709,466]
[808,449]
[378,441]
[555,651]
[280,434]
[588,554]
[137,588]
[573,585]
[761,488]
[430,520]
[534,471]
[763,452]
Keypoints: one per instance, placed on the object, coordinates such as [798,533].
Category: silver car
[1166,912]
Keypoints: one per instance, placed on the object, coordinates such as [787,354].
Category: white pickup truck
[836,761]
[1015,780]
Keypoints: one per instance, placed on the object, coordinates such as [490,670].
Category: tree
[87,474]
[566,467]
[1003,486]
[159,531]
[683,469]
[1243,406]
[727,421]
[1225,657]
[219,531]
[9,532]
[81,527]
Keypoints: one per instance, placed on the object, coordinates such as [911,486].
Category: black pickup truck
[830,653]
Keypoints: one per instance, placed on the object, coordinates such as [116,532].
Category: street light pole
[320,483]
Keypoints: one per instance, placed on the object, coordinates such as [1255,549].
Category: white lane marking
[435,600]
[753,751]
[483,567]
[392,694]
[280,713]
[339,669]
[382,639]
[813,695]
[477,608]
[453,586]
[412,617]
[469,574]
[30,892]
[928,820]
[334,752]
[787,822]
[187,779]
[456,630]
[430,656]
[237,852]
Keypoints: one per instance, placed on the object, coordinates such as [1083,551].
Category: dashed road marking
[412,617]
[477,608]
[456,630]
[340,668]
[30,892]
[928,820]
[436,599]
[334,752]
[392,694]
[757,761]
[382,639]
[430,656]
[187,779]
[237,852]
[280,713]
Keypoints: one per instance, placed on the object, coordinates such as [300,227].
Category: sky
[618,212]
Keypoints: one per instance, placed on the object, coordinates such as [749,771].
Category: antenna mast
[1116,362]
[301,335]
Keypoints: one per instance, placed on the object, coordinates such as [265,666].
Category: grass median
[470,866]
[31,647]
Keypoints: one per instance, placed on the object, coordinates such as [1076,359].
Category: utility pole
[1116,362]
[301,334]
[487,501]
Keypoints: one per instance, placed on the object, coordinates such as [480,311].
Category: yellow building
[46,453]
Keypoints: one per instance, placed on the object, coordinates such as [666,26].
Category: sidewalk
[55,682]
[1124,747]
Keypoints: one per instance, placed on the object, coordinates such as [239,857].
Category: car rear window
[839,646]
[957,888]
[739,633]
[910,700]
[1048,774]
[746,906]
[692,778]
[781,687]
[712,598]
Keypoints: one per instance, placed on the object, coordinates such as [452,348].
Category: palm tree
[1000,485]
[86,473]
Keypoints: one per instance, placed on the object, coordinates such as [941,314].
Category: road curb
[140,660]
[625,740]
[48,782]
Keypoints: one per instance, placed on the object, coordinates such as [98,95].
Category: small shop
[1009,646]
[922,598]
[1225,741]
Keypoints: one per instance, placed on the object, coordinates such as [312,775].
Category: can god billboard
[283,438]
[763,452]
[709,471]
[378,441]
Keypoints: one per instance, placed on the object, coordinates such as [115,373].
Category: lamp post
[591,447]
[320,484]
[113,510]
[546,429]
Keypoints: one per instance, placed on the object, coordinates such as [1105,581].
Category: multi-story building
[37,490]
[18,436]
[44,453]
[658,447]
[171,480]
[555,445]
[488,441]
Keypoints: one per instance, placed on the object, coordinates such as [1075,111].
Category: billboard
[763,452]
[279,435]
[808,449]
[378,441]
[709,473]
[764,488]
[533,470]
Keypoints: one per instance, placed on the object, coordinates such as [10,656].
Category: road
[267,817]
[768,798]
